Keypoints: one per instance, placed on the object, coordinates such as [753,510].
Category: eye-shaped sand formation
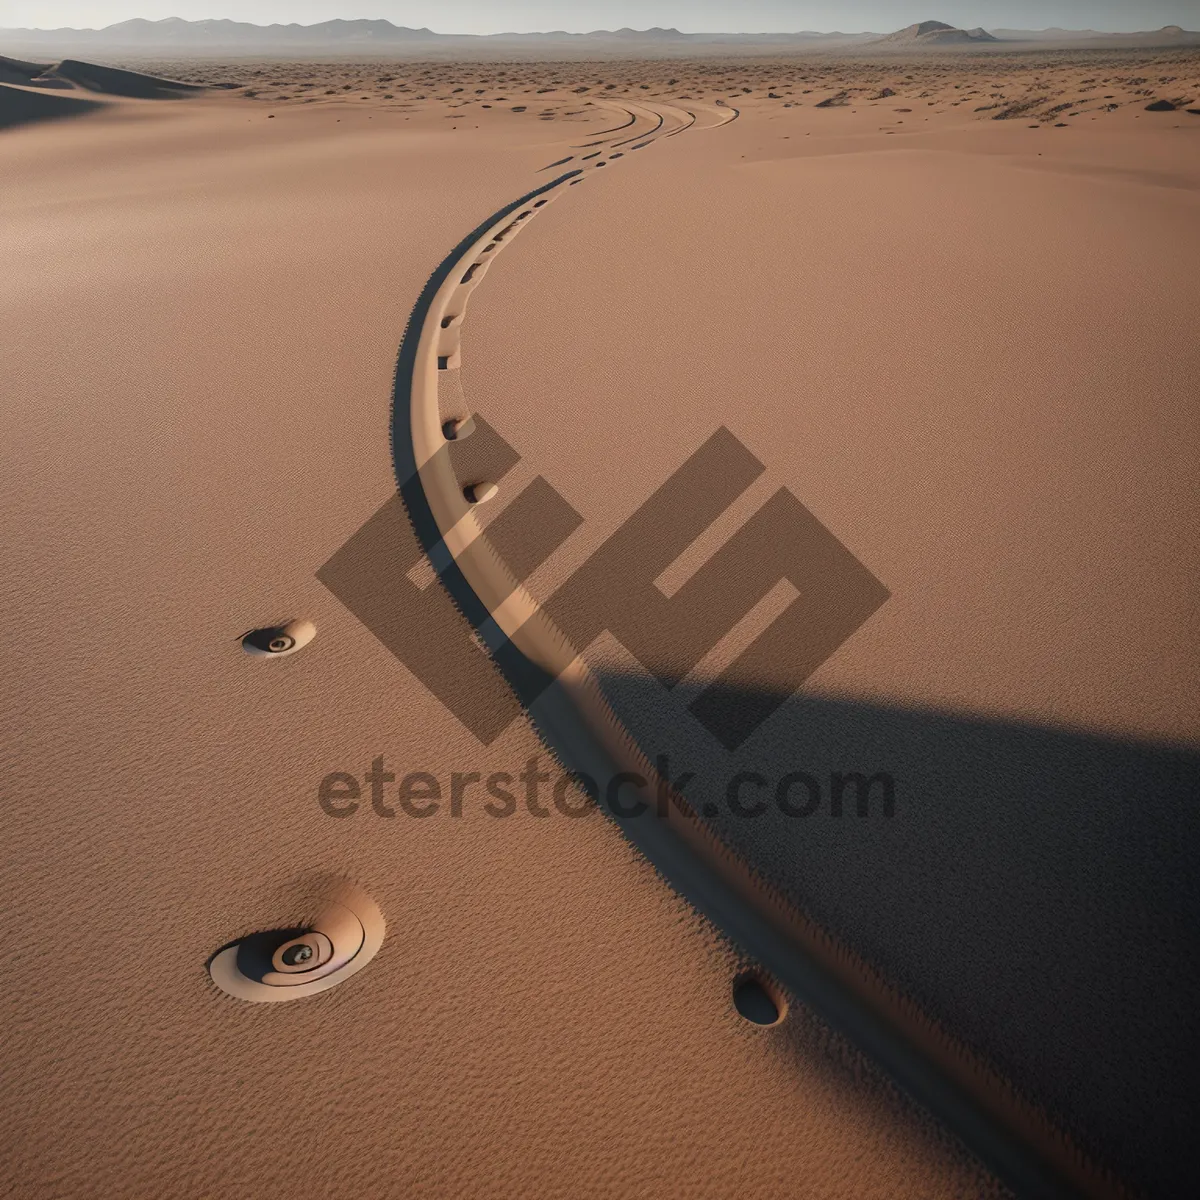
[323,938]
[278,641]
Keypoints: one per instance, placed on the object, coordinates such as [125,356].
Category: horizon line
[654,29]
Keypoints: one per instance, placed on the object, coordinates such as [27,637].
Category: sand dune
[27,89]
[15,70]
[21,106]
[113,81]
[962,342]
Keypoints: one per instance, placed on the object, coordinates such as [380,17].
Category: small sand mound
[19,106]
[112,81]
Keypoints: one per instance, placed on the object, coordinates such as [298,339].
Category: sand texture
[947,303]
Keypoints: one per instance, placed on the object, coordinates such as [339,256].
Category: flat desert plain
[947,303]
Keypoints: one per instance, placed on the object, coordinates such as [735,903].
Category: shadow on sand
[20,106]
[1034,891]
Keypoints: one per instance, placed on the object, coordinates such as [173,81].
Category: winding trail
[565,703]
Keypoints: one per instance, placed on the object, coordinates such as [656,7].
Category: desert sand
[947,302]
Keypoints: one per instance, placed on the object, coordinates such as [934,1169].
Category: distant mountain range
[1167,35]
[340,37]
[174,33]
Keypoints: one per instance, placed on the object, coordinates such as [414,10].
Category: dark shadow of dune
[113,81]
[21,107]
[17,70]
[1034,891]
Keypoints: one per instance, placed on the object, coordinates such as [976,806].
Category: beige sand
[203,303]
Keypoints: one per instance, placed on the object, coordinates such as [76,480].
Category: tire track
[616,129]
[648,133]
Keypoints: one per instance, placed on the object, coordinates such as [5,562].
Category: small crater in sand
[278,641]
[758,1000]
[457,428]
[479,493]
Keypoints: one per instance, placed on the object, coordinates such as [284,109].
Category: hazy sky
[735,16]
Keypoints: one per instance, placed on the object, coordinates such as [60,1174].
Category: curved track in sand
[562,697]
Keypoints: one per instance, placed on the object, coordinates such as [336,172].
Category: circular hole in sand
[479,493]
[458,428]
[758,1000]
[305,952]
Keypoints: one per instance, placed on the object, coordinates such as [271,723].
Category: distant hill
[934,33]
[938,33]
